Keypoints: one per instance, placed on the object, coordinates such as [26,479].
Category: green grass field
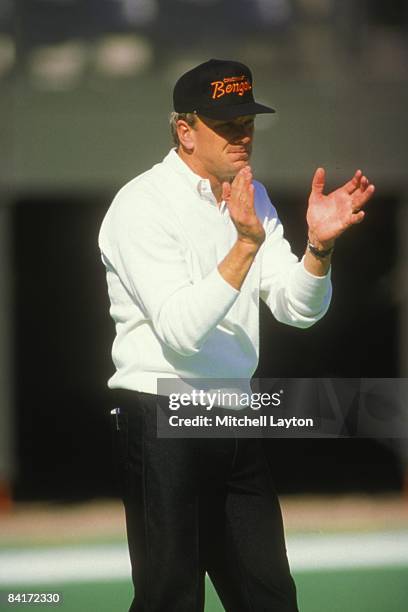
[347,554]
[337,573]
[359,590]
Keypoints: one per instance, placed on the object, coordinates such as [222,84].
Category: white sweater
[175,316]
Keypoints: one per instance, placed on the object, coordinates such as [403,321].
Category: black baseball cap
[218,89]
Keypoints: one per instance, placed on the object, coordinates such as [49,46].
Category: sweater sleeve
[294,296]
[148,256]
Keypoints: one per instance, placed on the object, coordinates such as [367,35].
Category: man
[189,247]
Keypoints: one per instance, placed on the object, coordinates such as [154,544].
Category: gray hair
[189,118]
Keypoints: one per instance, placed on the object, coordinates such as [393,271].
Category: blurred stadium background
[85,96]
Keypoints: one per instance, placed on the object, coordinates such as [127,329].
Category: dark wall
[64,335]
[63,338]
[358,337]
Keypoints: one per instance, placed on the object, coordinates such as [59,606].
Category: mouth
[242,152]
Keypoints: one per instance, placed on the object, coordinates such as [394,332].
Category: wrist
[320,253]
[246,245]
[320,245]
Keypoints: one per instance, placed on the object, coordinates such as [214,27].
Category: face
[222,147]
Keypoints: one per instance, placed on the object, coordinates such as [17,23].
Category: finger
[364,183]
[239,187]
[226,191]
[243,173]
[245,170]
[361,198]
[248,174]
[248,178]
[318,180]
[237,177]
[236,202]
[354,184]
[357,217]
[245,197]
[237,183]
[251,193]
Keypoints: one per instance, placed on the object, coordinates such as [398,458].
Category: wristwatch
[317,252]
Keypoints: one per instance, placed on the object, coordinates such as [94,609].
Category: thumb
[226,191]
[318,180]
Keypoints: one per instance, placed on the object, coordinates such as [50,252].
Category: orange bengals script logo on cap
[229,85]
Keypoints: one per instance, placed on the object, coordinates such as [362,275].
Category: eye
[227,125]
[234,125]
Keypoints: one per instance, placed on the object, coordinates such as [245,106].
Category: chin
[233,169]
[240,163]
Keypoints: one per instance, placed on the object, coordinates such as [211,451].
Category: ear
[185,134]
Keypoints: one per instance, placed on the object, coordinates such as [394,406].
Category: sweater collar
[201,185]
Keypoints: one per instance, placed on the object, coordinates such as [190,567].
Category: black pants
[195,506]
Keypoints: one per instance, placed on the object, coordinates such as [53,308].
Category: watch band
[317,252]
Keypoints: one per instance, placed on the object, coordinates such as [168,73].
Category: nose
[244,134]
[247,138]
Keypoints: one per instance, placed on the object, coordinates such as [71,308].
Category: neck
[198,168]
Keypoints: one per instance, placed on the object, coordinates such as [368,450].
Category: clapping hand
[328,216]
[239,196]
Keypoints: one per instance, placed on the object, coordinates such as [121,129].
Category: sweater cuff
[219,291]
[307,288]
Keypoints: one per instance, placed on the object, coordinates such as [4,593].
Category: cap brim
[239,110]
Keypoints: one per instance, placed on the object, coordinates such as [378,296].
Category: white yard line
[307,553]
[341,551]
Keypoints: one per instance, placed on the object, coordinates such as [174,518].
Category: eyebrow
[247,119]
